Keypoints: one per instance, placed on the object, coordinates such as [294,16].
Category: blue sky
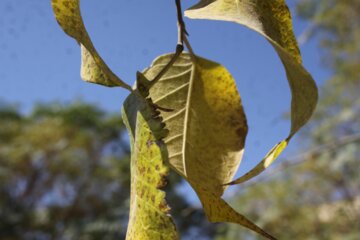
[39,63]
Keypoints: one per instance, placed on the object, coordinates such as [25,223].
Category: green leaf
[271,19]
[93,67]
[207,129]
[149,212]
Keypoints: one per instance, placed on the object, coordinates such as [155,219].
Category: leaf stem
[188,46]
[180,45]
[178,51]
[181,24]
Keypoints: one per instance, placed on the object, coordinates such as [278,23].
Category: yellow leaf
[271,19]
[93,67]
[149,213]
[207,129]
[217,210]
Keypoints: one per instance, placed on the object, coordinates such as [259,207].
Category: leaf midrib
[186,117]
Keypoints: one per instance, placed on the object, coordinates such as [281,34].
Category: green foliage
[53,164]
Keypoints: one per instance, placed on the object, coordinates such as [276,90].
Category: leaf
[93,67]
[271,19]
[207,129]
[149,212]
[208,125]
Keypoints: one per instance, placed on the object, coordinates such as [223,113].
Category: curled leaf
[149,213]
[93,67]
[271,19]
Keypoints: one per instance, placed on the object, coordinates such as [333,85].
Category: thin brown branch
[181,24]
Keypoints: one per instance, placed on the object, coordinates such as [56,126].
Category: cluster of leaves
[186,113]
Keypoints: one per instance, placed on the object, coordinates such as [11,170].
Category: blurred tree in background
[316,195]
[64,174]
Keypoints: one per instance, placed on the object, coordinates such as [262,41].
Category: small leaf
[149,212]
[271,19]
[207,129]
[93,67]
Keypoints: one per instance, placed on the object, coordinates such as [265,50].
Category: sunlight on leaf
[207,129]
[149,212]
[208,125]
[271,19]
[93,67]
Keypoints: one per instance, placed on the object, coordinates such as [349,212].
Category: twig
[179,47]
[181,24]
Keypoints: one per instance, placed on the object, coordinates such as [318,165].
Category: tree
[185,113]
[53,164]
[316,195]
[65,175]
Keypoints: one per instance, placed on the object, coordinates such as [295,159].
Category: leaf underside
[272,19]
[93,67]
[149,213]
[207,129]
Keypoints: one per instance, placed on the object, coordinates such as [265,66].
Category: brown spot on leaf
[149,143]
